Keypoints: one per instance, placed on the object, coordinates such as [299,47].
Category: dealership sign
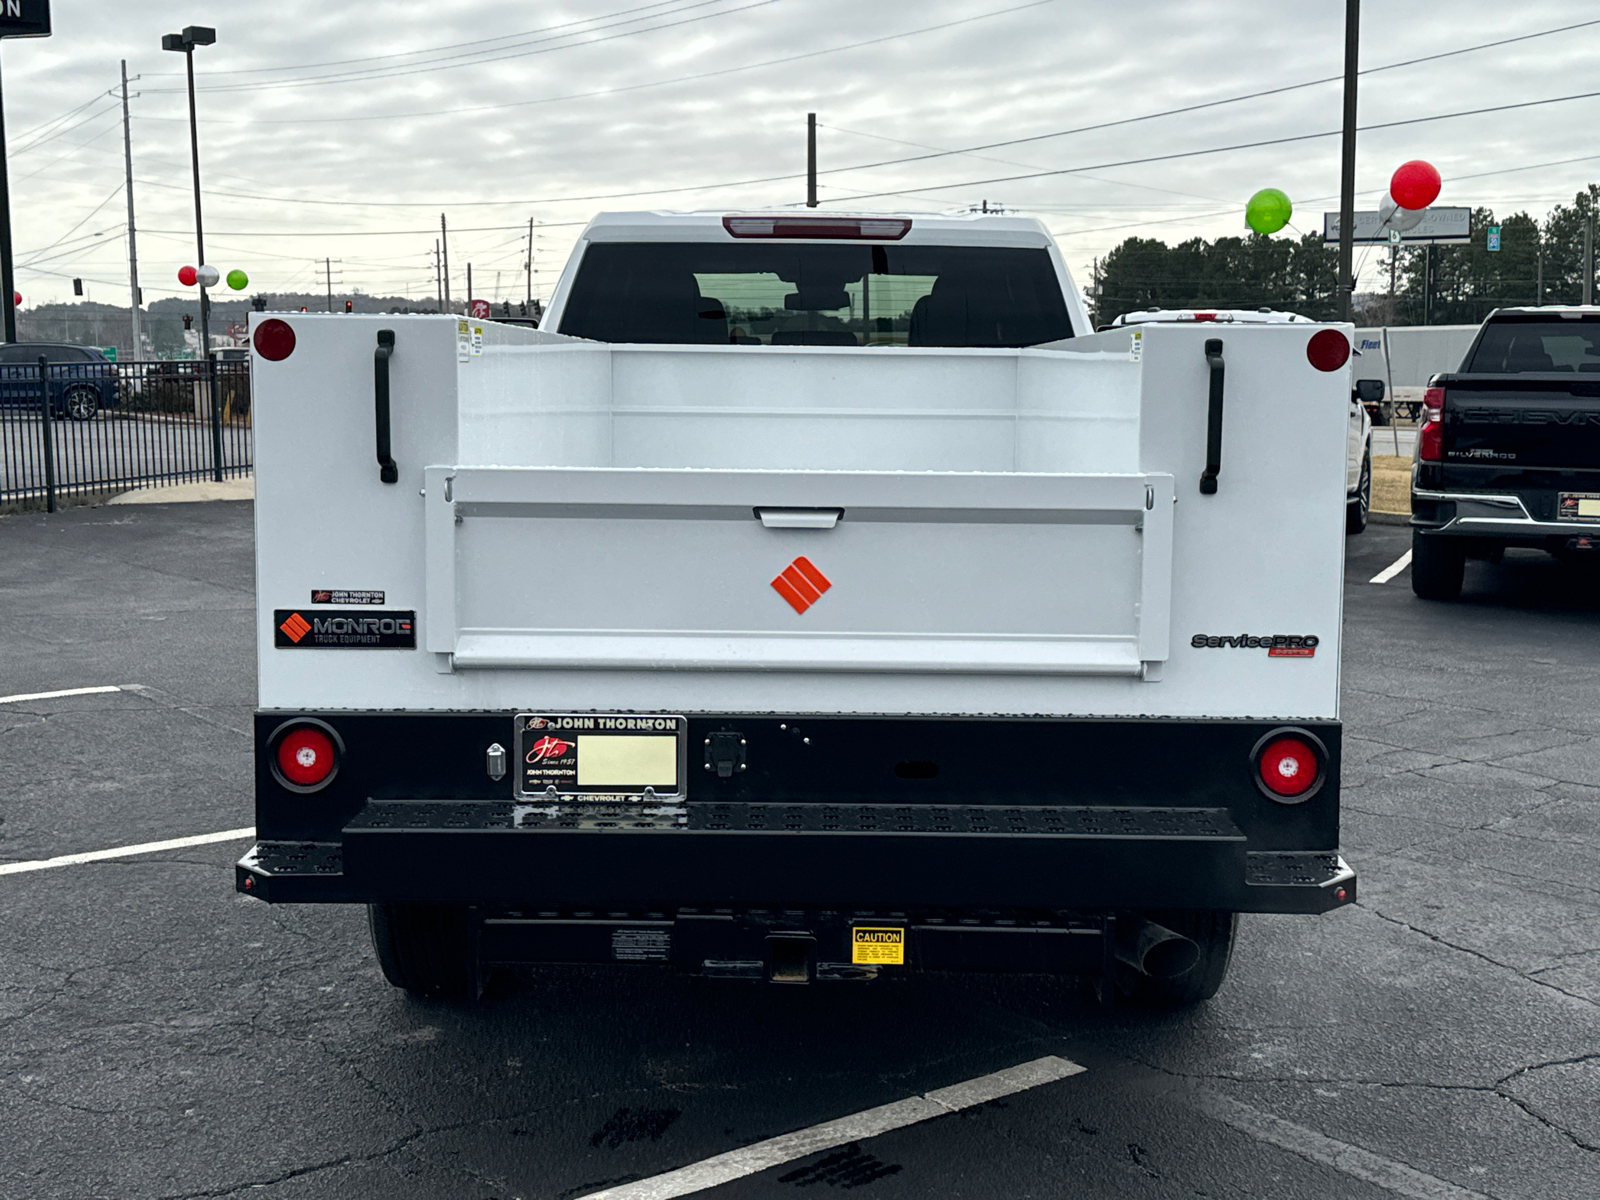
[1448,225]
[24,18]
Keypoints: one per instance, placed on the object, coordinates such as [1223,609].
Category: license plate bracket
[1578,506]
[607,758]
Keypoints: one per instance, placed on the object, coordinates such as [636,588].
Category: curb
[1388,518]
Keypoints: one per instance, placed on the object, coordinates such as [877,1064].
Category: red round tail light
[274,339]
[1328,350]
[1288,767]
[305,757]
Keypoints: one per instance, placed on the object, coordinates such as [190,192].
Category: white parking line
[736,1164]
[89,691]
[1350,1160]
[72,860]
[1393,569]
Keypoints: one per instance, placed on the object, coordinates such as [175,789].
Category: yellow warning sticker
[878,947]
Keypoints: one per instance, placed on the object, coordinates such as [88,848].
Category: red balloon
[187,276]
[1415,184]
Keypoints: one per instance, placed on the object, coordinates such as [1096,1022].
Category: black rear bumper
[841,814]
[958,858]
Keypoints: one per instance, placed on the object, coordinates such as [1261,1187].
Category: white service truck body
[832,637]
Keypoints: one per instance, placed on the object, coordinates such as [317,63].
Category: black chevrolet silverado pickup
[1509,450]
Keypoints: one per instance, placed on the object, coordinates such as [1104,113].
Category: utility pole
[1427,284]
[438,280]
[7,279]
[133,248]
[469,289]
[530,266]
[1588,256]
[811,160]
[327,272]
[444,242]
[1347,174]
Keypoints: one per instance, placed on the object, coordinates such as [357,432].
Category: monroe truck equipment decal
[325,629]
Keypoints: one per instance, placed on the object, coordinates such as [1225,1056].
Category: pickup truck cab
[1508,453]
[810,599]
[1366,395]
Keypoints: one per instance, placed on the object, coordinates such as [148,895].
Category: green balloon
[238,280]
[1269,210]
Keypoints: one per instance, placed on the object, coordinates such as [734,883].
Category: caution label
[877,946]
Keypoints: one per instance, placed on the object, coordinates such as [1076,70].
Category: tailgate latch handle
[387,471]
[1208,477]
[799,518]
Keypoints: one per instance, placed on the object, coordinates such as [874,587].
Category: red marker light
[887,229]
[305,756]
[1288,767]
[274,339]
[1328,350]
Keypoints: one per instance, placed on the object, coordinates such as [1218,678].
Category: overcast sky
[495,112]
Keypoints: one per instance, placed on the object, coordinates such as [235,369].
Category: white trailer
[808,598]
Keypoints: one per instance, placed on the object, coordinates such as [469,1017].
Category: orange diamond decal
[801,584]
[295,627]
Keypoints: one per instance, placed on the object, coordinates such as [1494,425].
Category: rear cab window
[1518,345]
[817,294]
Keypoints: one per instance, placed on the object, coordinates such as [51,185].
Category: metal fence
[86,428]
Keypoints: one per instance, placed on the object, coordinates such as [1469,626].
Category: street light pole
[185,42]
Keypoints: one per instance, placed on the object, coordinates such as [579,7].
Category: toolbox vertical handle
[387,471]
[1208,477]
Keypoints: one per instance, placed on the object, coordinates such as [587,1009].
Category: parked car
[1366,395]
[1508,453]
[82,381]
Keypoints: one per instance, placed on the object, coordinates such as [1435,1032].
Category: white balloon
[206,276]
[1392,216]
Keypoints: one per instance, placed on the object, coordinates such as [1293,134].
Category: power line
[1280,141]
[614,91]
[504,37]
[364,77]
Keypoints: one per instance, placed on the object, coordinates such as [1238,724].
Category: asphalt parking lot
[161,1036]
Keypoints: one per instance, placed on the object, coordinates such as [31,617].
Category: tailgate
[563,568]
[1523,422]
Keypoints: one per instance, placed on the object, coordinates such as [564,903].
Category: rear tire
[1214,933]
[1355,512]
[425,948]
[1437,565]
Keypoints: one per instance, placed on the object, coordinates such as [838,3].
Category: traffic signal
[259,303]
[188,322]
[77,287]
[349,306]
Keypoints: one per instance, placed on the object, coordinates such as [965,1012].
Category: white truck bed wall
[576,524]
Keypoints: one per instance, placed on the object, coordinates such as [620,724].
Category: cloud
[598,97]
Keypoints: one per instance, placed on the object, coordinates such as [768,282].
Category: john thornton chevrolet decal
[338,629]
[1277,645]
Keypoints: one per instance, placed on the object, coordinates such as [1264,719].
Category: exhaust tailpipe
[1152,949]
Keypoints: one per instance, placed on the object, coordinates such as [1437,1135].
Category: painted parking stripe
[1393,569]
[1349,1160]
[88,691]
[773,1152]
[73,860]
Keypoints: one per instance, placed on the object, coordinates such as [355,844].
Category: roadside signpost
[1494,238]
[18,18]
